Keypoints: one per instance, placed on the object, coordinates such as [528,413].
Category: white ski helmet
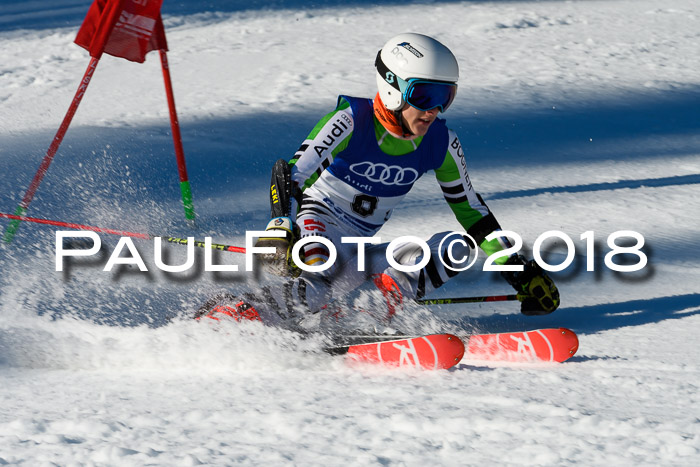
[411,57]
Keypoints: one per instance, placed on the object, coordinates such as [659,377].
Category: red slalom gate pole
[11,229]
[185,189]
[122,233]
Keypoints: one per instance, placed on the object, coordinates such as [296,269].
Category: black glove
[280,262]
[541,295]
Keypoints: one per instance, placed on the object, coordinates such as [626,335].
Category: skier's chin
[420,127]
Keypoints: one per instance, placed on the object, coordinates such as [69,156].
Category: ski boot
[391,293]
[228,307]
[278,306]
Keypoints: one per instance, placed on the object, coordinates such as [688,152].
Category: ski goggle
[426,95]
[423,94]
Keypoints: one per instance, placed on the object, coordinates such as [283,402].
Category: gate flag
[128,29]
[123,28]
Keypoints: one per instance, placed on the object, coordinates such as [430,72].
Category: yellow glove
[541,296]
[280,262]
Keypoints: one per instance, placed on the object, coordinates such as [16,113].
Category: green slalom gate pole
[185,189]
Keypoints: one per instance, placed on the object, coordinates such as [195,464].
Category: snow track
[574,116]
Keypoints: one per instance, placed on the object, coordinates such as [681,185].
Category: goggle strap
[385,72]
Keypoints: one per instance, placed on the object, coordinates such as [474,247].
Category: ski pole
[122,233]
[488,298]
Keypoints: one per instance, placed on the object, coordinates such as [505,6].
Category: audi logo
[385,174]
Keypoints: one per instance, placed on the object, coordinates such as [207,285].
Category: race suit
[352,173]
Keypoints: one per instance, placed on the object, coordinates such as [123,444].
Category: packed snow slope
[576,116]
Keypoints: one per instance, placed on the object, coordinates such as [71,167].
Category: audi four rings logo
[385,174]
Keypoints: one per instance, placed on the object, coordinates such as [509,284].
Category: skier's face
[418,121]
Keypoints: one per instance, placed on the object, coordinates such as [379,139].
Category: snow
[575,116]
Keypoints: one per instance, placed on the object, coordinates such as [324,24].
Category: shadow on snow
[629,184]
[229,160]
[597,318]
[48,14]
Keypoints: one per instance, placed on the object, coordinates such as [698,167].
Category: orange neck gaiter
[388,119]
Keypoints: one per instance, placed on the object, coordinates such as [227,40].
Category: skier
[356,165]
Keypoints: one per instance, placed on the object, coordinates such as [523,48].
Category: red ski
[540,345]
[432,352]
